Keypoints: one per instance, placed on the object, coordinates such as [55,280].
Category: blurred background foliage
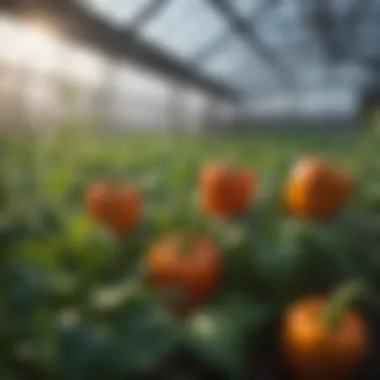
[75,302]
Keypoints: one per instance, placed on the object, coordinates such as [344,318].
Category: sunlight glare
[28,44]
[36,45]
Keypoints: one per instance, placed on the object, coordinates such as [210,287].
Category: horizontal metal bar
[83,25]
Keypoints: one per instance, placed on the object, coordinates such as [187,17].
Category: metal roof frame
[126,42]
[217,44]
[248,33]
[81,24]
[148,12]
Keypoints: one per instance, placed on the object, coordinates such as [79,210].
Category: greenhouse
[189,189]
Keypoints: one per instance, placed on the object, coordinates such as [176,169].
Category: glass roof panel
[187,29]
[245,8]
[228,60]
[119,12]
[367,33]
[184,27]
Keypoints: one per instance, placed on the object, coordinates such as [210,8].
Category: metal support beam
[348,29]
[323,24]
[247,31]
[148,12]
[216,45]
[212,47]
[80,24]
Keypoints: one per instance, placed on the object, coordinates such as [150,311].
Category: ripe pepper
[189,263]
[316,190]
[325,339]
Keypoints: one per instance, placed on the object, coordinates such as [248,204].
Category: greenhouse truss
[225,48]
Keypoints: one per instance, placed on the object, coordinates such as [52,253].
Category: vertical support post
[210,123]
[104,97]
[176,111]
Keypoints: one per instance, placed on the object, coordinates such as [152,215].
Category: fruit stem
[340,301]
[186,243]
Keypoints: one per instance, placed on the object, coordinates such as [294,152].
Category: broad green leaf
[80,350]
[221,334]
[143,335]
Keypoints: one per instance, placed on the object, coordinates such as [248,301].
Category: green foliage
[220,331]
[74,300]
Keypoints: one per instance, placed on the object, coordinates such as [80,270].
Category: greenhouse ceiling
[217,38]
[229,48]
[206,43]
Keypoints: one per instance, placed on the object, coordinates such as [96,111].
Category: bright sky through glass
[183,28]
[41,51]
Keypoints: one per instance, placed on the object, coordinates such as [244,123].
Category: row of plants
[111,287]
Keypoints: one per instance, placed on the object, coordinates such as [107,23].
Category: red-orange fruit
[189,264]
[317,190]
[226,191]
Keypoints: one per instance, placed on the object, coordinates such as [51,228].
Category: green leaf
[143,335]
[26,288]
[221,333]
[91,247]
[80,350]
[108,299]
[6,374]
[79,228]
[44,253]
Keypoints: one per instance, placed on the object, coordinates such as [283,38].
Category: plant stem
[340,301]
[186,243]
